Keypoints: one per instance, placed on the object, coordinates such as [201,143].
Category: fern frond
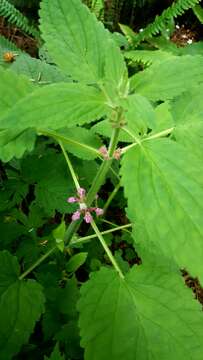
[97,8]
[160,22]
[15,17]
[147,57]
[198,11]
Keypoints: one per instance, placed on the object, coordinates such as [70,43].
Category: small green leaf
[59,234]
[148,315]
[55,355]
[76,261]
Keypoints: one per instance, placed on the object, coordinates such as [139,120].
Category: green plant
[15,17]
[51,152]
[161,23]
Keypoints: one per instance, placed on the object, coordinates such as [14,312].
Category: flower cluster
[83,209]
[104,152]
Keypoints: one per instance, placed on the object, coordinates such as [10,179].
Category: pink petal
[81,192]
[76,215]
[99,211]
[72,199]
[88,217]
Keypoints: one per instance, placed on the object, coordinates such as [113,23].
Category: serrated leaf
[170,78]
[76,261]
[55,355]
[20,306]
[81,142]
[74,38]
[56,106]
[163,184]
[14,143]
[9,270]
[187,111]
[147,57]
[150,315]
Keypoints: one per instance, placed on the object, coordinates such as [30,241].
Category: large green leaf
[74,38]
[187,112]
[56,106]
[163,184]
[20,307]
[170,78]
[12,89]
[150,315]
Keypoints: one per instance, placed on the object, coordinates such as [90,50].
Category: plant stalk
[106,248]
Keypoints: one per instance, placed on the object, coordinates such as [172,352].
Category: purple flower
[88,217]
[76,215]
[99,211]
[81,193]
[72,199]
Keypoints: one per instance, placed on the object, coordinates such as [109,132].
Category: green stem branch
[106,248]
[89,237]
[37,263]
